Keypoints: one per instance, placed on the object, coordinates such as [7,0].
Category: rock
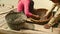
[15,20]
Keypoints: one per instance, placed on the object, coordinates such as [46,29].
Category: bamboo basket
[41,12]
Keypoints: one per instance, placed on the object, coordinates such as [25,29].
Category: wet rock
[15,20]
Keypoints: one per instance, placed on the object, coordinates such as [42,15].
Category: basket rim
[33,20]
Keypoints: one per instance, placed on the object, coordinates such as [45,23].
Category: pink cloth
[24,4]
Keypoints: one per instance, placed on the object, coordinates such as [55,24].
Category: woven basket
[41,12]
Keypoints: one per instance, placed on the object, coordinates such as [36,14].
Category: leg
[20,6]
[26,10]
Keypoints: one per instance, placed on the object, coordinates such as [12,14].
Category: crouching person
[56,16]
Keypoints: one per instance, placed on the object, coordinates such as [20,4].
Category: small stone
[12,6]
[3,5]
[0,4]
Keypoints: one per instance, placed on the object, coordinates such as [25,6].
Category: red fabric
[55,1]
[24,4]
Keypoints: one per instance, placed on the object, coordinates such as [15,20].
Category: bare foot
[47,26]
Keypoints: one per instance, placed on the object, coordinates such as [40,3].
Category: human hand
[36,16]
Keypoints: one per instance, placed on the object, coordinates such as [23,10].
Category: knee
[28,14]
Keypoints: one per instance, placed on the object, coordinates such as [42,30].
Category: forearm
[53,20]
[48,12]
